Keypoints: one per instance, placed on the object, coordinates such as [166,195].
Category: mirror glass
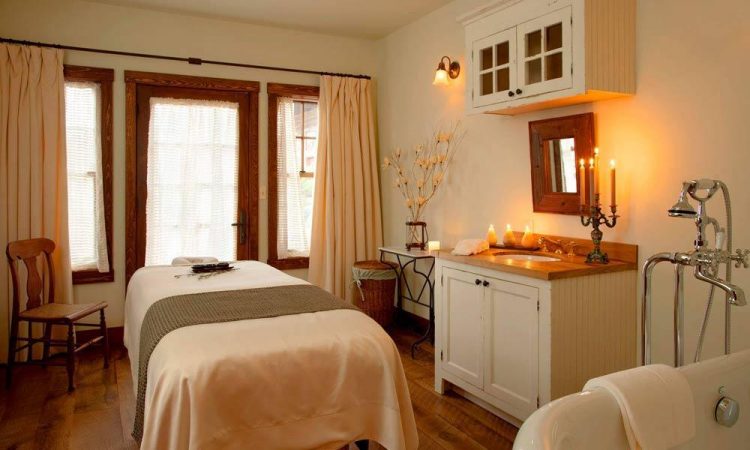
[560,159]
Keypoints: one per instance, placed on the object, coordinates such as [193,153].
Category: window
[88,127]
[293,143]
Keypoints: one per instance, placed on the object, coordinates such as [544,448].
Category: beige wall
[89,24]
[688,119]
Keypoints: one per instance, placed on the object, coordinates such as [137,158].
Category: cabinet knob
[485,283]
[519,92]
[511,94]
[477,281]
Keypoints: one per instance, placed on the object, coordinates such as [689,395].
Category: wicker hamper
[375,285]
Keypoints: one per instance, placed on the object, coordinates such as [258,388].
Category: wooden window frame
[104,78]
[135,217]
[275,91]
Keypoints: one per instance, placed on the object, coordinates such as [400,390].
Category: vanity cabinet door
[462,307]
[545,55]
[494,68]
[512,346]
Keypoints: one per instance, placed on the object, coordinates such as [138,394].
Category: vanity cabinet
[534,54]
[512,343]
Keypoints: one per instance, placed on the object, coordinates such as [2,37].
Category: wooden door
[511,330]
[494,69]
[241,227]
[462,326]
[545,54]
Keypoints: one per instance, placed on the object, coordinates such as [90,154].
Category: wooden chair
[48,313]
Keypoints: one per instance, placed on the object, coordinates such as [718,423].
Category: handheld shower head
[683,208]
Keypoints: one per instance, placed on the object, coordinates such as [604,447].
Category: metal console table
[406,258]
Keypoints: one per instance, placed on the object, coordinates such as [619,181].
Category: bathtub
[592,420]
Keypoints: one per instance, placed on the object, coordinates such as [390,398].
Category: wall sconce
[442,75]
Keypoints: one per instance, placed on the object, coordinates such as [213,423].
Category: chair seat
[60,312]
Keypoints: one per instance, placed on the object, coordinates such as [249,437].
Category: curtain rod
[190,60]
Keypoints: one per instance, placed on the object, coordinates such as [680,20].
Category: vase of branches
[418,173]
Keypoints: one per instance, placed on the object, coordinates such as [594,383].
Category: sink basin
[523,257]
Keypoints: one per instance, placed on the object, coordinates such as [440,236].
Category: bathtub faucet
[707,263]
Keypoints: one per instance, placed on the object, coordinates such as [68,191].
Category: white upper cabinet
[535,54]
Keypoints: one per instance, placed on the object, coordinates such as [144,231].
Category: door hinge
[537,305]
[538,403]
[441,355]
[441,280]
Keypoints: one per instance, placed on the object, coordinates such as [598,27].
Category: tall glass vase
[416,235]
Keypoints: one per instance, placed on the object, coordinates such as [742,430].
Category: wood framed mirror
[556,146]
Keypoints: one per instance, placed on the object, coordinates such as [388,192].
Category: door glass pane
[534,71]
[502,54]
[553,37]
[502,78]
[485,58]
[553,66]
[193,160]
[486,84]
[533,43]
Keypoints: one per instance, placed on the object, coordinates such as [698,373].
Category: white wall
[104,26]
[688,120]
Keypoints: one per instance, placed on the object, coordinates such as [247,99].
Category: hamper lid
[372,270]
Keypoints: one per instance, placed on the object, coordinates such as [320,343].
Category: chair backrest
[28,251]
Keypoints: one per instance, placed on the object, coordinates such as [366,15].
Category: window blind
[193,158]
[293,234]
[87,226]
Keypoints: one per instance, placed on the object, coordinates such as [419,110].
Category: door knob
[511,94]
[241,227]
[477,281]
[519,92]
[485,283]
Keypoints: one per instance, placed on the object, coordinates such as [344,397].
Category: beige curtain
[33,171]
[346,214]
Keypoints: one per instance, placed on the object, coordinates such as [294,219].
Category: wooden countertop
[567,267]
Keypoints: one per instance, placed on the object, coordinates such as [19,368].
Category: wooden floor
[38,413]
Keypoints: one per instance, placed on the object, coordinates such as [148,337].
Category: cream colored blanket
[307,381]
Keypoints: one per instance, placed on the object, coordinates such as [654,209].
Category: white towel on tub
[656,403]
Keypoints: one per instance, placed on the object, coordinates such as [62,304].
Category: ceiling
[356,18]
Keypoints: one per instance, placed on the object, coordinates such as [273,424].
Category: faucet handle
[571,247]
[741,258]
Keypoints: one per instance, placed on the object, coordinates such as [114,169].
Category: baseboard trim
[115,335]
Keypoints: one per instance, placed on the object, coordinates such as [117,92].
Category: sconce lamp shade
[442,75]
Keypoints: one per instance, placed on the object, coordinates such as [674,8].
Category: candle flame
[591,162]
[507,227]
[612,164]
[596,150]
[583,162]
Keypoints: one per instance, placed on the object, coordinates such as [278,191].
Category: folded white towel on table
[656,403]
[470,247]
[190,260]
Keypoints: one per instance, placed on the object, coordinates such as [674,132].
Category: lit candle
[528,238]
[491,235]
[592,180]
[433,245]
[509,239]
[612,171]
[596,171]
[582,181]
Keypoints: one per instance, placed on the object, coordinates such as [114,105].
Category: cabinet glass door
[544,54]
[494,68]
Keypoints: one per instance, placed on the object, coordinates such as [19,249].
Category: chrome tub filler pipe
[707,263]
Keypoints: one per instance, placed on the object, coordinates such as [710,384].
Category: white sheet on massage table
[316,380]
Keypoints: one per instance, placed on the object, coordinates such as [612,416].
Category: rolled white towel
[190,260]
[656,403]
[470,247]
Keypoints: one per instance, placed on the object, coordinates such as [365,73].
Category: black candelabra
[596,218]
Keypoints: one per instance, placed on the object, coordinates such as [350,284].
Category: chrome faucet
[707,263]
